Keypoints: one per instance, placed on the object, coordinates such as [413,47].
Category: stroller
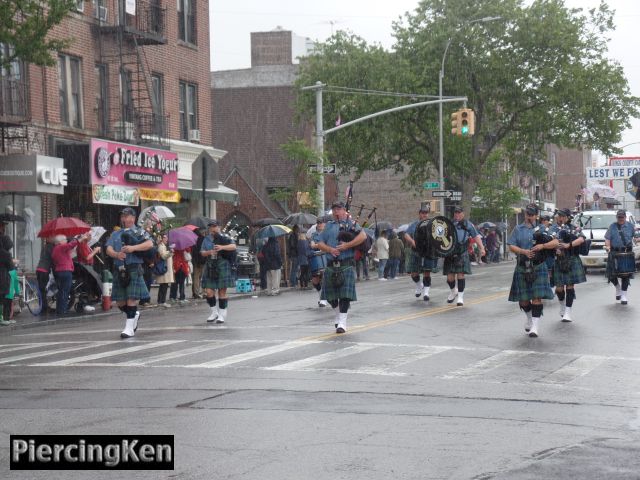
[86,289]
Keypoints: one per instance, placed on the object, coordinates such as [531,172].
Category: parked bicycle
[29,297]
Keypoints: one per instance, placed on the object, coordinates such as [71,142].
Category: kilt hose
[332,292]
[463,265]
[136,289]
[225,278]
[573,276]
[418,264]
[539,288]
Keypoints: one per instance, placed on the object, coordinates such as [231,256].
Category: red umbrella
[67,226]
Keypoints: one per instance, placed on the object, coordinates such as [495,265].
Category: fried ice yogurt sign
[611,173]
[131,165]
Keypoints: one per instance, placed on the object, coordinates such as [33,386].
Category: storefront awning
[220,193]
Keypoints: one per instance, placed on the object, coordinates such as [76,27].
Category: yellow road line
[403,318]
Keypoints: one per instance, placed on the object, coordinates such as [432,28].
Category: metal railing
[150,18]
[13,99]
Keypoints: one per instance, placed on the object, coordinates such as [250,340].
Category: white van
[595,224]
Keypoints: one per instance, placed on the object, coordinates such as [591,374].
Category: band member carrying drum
[531,279]
[567,268]
[618,241]
[317,261]
[338,240]
[418,264]
[458,264]
[218,250]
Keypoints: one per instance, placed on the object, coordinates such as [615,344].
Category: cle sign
[52,176]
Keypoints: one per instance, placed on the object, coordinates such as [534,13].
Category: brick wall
[271,48]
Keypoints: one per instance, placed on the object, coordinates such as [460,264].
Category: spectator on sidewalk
[292,251]
[165,253]
[396,252]
[382,253]
[6,265]
[273,265]
[180,271]
[198,262]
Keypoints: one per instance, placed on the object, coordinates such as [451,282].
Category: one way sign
[323,168]
[446,193]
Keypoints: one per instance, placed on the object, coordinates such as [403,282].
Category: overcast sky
[233,21]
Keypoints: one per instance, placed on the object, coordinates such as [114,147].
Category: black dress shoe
[340,330]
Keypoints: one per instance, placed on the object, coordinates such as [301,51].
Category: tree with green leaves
[24,26]
[537,75]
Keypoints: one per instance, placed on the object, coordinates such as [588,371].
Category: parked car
[594,225]
[247,263]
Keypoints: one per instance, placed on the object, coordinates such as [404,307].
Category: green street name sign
[430,185]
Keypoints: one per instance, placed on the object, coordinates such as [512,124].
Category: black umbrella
[10,217]
[381,226]
[300,219]
[200,222]
[263,222]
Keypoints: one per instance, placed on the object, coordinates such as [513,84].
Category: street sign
[324,169]
[430,185]
[452,194]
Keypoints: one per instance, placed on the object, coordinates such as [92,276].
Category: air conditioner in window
[102,13]
[124,131]
[194,135]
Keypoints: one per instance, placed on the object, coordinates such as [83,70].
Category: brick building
[136,75]
[253,114]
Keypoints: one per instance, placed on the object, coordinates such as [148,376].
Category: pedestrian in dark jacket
[303,260]
[292,250]
[43,270]
[273,264]
[6,265]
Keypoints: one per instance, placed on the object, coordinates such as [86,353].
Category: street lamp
[440,77]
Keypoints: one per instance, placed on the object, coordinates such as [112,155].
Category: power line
[361,91]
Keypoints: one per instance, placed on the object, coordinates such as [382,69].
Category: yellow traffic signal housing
[467,122]
[455,122]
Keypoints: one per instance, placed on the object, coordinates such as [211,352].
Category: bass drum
[436,237]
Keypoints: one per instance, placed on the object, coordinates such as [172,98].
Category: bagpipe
[542,235]
[574,231]
[132,238]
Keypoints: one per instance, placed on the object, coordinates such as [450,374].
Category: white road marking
[45,353]
[322,358]
[575,369]
[171,355]
[110,353]
[242,357]
[486,365]
[388,367]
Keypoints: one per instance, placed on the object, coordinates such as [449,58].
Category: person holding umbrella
[125,246]
[218,249]
[338,240]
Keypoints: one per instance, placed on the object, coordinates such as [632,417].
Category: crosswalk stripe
[223,362]
[171,355]
[575,369]
[45,353]
[486,365]
[110,353]
[322,358]
[12,347]
[388,367]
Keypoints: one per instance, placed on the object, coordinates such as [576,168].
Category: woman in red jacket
[181,271]
[63,269]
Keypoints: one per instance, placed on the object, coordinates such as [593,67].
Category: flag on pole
[338,120]
[349,194]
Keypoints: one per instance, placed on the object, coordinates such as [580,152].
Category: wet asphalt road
[412,391]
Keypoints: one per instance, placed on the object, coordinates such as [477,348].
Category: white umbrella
[96,233]
[155,213]
[602,190]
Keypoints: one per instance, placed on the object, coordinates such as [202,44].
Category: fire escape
[14,109]
[122,35]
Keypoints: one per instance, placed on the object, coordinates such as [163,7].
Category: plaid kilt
[418,264]
[226,276]
[461,267]
[136,289]
[540,288]
[348,288]
[573,276]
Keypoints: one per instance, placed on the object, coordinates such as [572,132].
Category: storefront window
[24,234]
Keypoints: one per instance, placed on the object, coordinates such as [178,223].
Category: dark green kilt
[226,276]
[540,288]
[462,265]
[136,289]
[348,288]
[573,276]
[418,264]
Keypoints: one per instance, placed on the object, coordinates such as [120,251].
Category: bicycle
[30,296]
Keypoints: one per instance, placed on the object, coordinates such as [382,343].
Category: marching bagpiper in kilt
[125,246]
[567,268]
[416,263]
[218,274]
[530,282]
[621,260]
[317,263]
[338,240]
[459,264]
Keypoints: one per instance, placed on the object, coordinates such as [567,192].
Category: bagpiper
[418,264]
[618,241]
[218,275]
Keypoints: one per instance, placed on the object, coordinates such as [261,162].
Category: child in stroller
[86,289]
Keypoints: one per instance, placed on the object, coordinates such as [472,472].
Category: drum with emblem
[436,237]
[317,261]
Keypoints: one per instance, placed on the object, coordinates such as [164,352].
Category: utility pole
[320,147]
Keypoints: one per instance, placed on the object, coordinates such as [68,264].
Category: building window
[102,112]
[12,84]
[187,21]
[157,83]
[188,109]
[126,95]
[70,90]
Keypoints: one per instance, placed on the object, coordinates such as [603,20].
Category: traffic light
[467,122]
[455,122]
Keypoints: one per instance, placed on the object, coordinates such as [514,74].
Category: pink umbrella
[182,238]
